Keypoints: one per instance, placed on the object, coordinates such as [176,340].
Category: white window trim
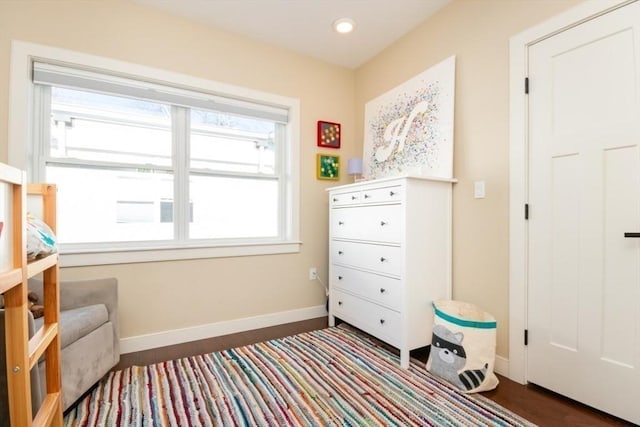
[20,131]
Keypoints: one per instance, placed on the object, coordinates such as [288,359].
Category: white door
[584,195]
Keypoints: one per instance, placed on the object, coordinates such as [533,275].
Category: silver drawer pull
[366,196]
[340,252]
[383,290]
[391,193]
[382,223]
[340,223]
[382,321]
[353,197]
[382,259]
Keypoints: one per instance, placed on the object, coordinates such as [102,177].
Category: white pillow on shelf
[41,241]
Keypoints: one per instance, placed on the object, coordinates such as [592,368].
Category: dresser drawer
[391,194]
[382,195]
[378,258]
[372,223]
[378,321]
[345,199]
[383,290]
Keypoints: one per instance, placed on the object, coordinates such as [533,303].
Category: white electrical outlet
[313,273]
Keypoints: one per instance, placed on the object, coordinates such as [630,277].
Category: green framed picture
[328,166]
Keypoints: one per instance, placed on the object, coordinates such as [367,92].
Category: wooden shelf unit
[23,353]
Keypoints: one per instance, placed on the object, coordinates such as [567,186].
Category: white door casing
[518,171]
[619,164]
[584,194]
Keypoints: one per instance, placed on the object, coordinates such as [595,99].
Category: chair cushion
[78,322]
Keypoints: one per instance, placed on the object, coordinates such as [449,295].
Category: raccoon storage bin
[463,346]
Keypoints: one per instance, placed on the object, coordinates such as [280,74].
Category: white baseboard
[199,332]
[501,366]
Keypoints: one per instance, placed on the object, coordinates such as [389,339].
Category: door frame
[518,168]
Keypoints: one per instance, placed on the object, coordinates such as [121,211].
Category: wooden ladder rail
[23,353]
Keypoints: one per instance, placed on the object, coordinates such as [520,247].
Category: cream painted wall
[169,295]
[478,33]
[161,296]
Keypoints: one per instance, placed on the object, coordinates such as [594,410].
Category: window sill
[129,256]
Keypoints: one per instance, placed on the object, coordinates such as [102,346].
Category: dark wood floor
[531,402]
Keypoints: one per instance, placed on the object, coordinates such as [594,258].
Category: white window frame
[21,130]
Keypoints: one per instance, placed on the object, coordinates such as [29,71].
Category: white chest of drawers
[390,257]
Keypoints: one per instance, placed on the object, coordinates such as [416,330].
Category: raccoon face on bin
[448,358]
[447,354]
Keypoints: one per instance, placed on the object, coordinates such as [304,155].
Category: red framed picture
[328,134]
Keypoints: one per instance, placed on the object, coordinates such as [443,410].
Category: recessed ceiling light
[344,25]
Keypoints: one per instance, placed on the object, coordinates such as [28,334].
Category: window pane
[96,205]
[233,207]
[96,127]
[119,160]
[234,144]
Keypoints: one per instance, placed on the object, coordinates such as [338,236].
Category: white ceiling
[304,26]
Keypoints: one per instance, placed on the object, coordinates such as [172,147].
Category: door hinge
[526,211]
[526,85]
[526,337]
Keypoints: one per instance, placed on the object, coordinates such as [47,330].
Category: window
[111,158]
[143,166]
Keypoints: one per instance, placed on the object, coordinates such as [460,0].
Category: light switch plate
[478,189]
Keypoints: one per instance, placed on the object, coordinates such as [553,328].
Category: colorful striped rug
[330,377]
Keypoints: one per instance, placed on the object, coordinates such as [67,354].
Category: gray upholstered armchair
[90,340]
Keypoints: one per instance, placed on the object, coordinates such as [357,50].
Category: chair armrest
[80,293]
